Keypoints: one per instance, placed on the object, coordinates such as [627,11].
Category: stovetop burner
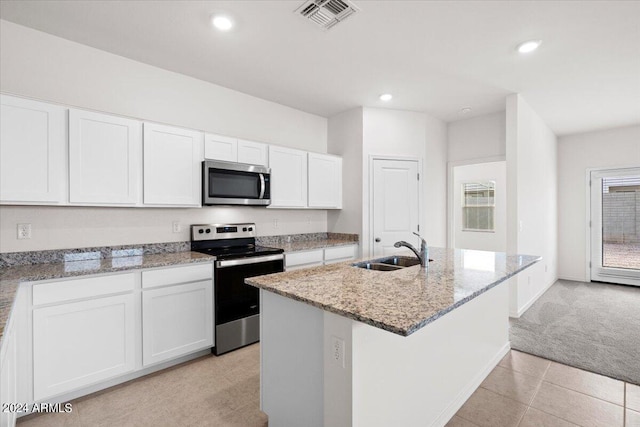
[228,241]
[238,251]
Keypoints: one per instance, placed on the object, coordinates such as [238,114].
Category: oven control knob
[208,230]
[250,228]
[244,228]
[201,231]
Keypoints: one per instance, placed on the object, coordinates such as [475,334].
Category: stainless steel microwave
[228,183]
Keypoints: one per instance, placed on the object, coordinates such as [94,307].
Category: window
[478,206]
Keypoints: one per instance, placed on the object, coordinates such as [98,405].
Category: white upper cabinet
[288,177]
[105,159]
[325,181]
[253,153]
[172,166]
[32,151]
[218,147]
[228,149]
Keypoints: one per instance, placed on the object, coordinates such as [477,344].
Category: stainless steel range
[237,305]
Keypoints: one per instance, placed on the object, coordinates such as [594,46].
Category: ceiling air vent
[327,13]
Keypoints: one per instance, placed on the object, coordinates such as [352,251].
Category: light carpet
[591,326]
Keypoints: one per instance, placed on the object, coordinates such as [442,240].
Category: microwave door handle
[263,186]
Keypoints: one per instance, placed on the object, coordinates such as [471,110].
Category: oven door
[238,304]
[226,183]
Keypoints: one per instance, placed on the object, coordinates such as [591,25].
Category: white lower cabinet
[82,343]
[8,376]
[95,330]
[339,254]
[176,320]
[303,259]
[316,257]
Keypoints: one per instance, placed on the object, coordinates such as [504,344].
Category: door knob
[377,240]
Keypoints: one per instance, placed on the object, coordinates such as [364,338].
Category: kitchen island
[346,346]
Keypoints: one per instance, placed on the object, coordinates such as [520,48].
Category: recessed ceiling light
[222,23]
[386,97]
[529,46]
[465,110]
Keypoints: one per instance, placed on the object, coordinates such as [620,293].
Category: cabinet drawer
[303,258]
[67,290]
[173,275]
[341,253]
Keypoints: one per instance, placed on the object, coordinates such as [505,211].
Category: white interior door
[395,204]
[615,226]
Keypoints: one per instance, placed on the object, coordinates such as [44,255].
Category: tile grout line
[624,407]
[533,396]
[564,419]
[585,394]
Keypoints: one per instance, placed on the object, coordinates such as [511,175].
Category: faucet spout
[423,254]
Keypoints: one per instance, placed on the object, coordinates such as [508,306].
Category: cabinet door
[339,254]
[78,344]
[105,158]
[32,151]
[306,259]
[325,181]
[176,320]
[8,376]
[253,153]
[172,166]
[218,147]
[288,177]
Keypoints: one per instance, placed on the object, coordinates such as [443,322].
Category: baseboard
[573,279]
[525,307]
[473,385]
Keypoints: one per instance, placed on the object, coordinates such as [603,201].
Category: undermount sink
[400,261]
[367,265]
[391,263]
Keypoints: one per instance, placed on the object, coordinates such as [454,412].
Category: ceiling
[434,57]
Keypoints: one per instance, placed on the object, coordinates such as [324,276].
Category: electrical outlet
[24,231]
[308,220]
[176,227]
[275,223]
[337,351]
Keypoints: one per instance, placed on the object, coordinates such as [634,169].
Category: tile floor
[527,391]
[208,391]
[523,391]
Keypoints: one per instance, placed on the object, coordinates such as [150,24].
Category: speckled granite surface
[304,242]
[400,301]
[11,277]
[81,254]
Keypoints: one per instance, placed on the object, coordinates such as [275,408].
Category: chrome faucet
[423,255]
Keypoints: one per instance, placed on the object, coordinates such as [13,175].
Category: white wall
[78,227]
[477,138]
[38,65]
[398,133]
[472,141]
[532,209]
[345,139]
[481,240]
[618,147]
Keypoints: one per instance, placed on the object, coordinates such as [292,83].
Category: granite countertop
[311,244]
[400,301]
[310,241]
[11,277]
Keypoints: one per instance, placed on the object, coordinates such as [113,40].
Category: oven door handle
[246,261]
[263,186]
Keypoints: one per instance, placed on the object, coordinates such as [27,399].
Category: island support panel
[387,379]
